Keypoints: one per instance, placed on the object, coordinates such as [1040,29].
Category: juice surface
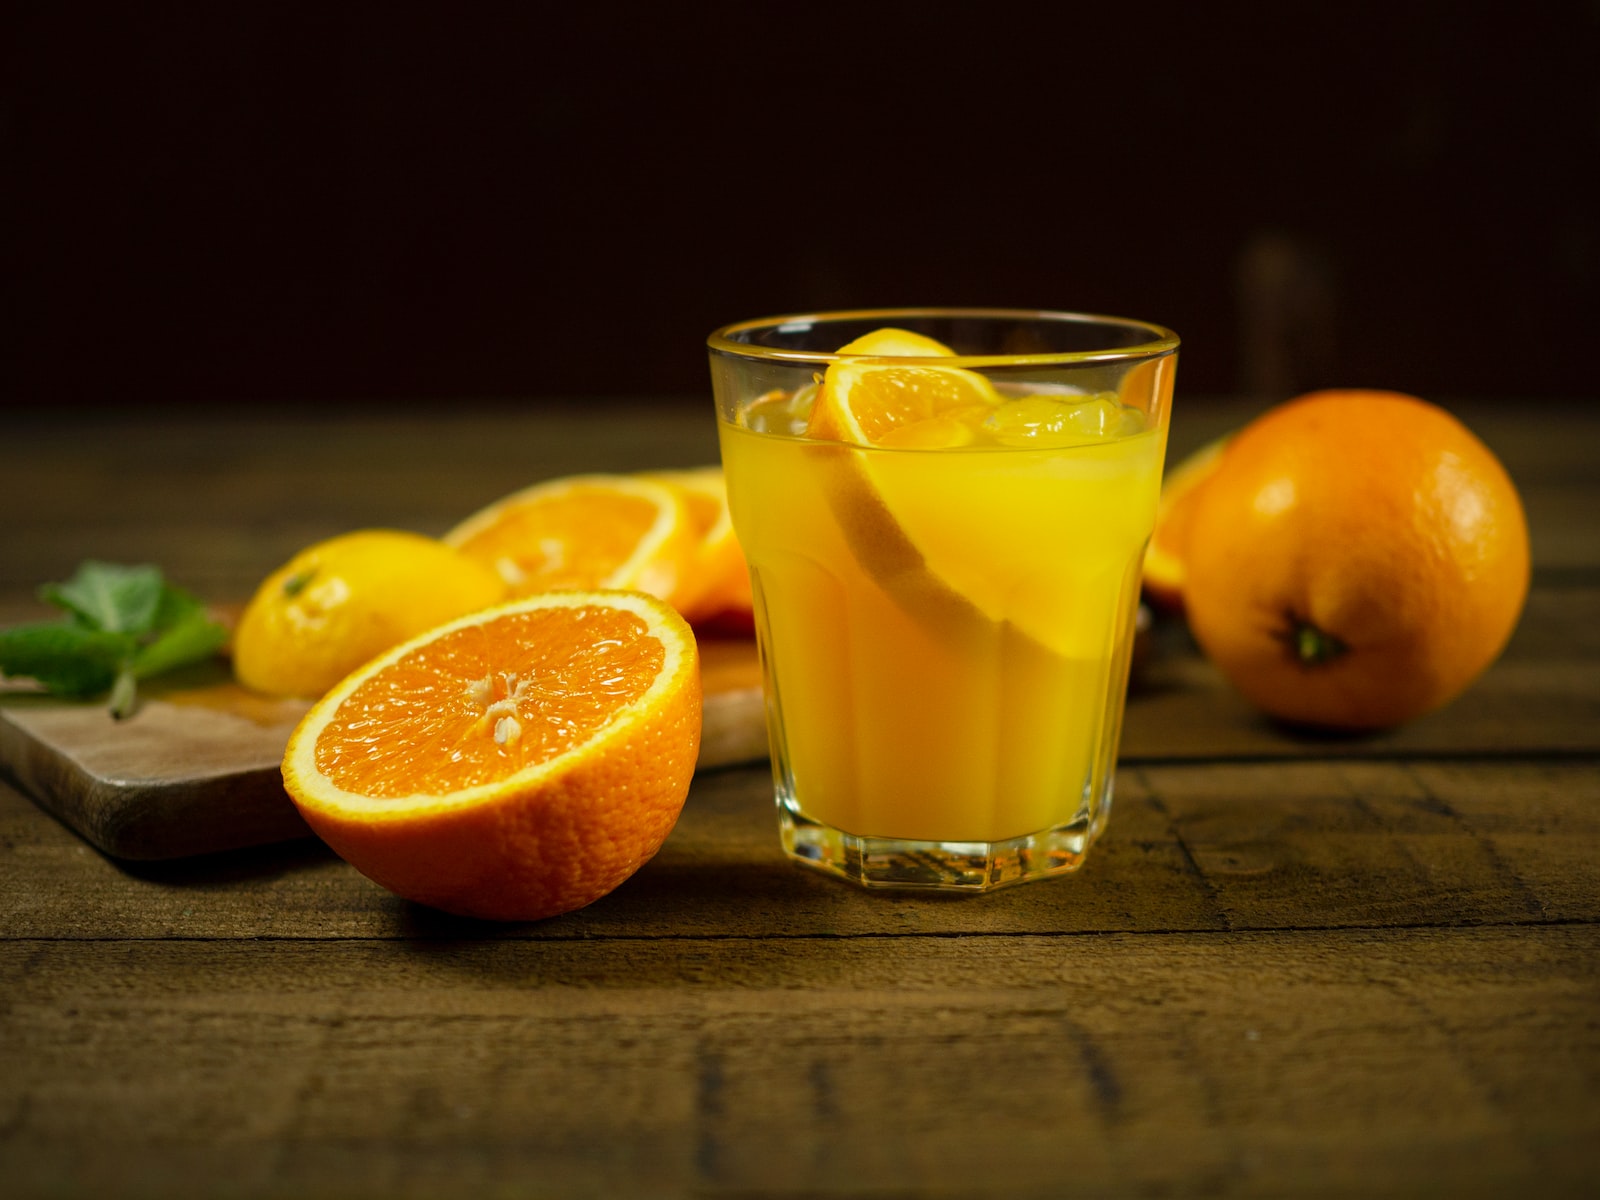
[947,631]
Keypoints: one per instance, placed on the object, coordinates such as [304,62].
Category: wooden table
[1293,966]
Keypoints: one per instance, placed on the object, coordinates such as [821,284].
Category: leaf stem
[124,694]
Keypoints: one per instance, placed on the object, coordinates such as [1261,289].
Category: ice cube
[1056,420]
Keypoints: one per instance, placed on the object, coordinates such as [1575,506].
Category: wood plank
[1269,846]
[125,488]
[196,772]
[1357,845]
[1462,1062]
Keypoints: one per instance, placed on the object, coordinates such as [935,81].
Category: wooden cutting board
[196,769]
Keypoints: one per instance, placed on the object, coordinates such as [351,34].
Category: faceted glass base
[944,866]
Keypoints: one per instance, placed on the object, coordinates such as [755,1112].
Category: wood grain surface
[1372,976]
[1294,966]
[197,768]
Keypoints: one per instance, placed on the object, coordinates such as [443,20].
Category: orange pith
[427,724]
[511,765]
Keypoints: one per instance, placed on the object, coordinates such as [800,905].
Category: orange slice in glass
[896,405]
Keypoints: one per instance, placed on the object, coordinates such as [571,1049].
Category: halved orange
[514,764]
[584,531]
[1164,570]
[717,579]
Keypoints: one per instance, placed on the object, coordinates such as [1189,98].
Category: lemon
[338,604]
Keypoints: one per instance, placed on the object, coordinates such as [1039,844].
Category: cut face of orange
[895,405]
[585,531]
[717,579]
[510,765]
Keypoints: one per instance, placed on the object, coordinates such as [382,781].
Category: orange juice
[964,697]
[945,617]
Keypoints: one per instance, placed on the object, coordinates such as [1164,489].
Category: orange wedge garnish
[898,405]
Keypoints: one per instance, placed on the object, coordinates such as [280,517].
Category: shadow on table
[249,864]
[663,900]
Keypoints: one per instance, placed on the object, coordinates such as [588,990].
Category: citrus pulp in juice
[947,630]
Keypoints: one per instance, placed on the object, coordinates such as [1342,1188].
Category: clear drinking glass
[945,556]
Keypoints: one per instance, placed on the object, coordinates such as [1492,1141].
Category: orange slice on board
[717,580]
[584,531]
[514,764]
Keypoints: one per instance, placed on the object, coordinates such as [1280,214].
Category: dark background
[293,202]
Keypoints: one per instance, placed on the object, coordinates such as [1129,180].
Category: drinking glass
[945,555]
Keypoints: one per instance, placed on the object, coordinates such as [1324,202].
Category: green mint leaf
[123,624]
[187,639]
[180,634]
[174,608]
[64,657]
[110,597]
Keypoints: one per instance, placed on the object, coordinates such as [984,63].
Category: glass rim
[1163,341]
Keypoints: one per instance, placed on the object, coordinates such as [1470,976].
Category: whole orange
[1356,559]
